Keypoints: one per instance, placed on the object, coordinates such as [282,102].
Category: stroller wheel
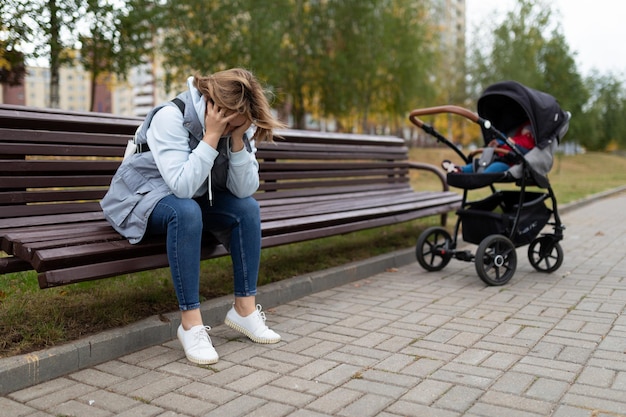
[545,254]
[496,260]
[434,249]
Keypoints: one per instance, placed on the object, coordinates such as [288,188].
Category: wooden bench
[55,166]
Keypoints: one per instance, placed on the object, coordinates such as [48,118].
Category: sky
[594,29]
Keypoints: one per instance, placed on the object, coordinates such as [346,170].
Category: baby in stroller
[496,157]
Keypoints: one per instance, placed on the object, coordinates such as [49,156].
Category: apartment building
[450,14]
[451,18]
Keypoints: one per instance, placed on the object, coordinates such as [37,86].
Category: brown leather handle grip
[461,111]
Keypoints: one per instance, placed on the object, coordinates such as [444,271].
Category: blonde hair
[238,90]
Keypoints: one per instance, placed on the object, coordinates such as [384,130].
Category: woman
[194,171]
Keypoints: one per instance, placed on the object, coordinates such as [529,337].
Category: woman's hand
[238,132]
[220,122]
[215,123]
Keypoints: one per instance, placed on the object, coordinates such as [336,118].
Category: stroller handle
[461,111]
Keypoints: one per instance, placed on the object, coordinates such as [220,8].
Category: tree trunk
[55,54]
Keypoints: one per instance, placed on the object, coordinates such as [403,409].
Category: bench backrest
[61,163]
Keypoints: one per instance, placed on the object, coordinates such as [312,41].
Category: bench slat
[25,197]
[307,171]
[354,154]
[343,165]
[58,167]
[63,137]
[38,182]
[334,138]
[289,145]
[11,213]
[29,148]
[115,268]
[314,221]
[51,220]
[373,202]
[21,117]
[280,198]
[267,194]
[339,182]
[25,245]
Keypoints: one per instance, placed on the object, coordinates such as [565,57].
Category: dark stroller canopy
[508,104]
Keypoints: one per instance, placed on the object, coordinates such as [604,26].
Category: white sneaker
[197,344]
[252,326]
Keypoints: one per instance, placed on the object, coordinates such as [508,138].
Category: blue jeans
[495,166]
[184,221]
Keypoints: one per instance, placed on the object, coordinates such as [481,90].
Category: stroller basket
[496,215]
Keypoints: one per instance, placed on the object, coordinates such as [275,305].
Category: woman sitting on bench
[195,171]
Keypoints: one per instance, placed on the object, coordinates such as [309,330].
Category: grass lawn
[32,319]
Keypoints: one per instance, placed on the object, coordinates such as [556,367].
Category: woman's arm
[183,170]
[243,172]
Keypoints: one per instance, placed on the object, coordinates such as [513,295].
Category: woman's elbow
[243,191]
[182,192]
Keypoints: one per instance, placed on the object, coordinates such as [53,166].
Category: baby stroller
[507,219]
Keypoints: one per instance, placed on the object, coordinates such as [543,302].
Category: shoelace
[261,315]
[203,334]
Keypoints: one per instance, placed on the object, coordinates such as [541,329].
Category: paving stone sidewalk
[399,343]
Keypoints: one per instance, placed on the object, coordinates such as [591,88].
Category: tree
[12,66]
[117,38]
[375,61]
[604,115]
[56,30]
[563,81]
[516,49]
[202,36]
[97,47]
[12,61]
[54,17]
[299,55]
[348,59]
[529,47]
[48,27]
[365,63]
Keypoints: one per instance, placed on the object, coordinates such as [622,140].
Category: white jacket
[178,162]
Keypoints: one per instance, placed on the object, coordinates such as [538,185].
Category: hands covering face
[221,121]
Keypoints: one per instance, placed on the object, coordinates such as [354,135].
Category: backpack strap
[180,104]
[143,147]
